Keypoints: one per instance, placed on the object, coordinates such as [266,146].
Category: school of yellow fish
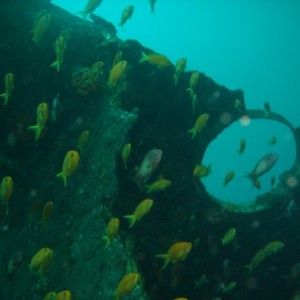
[179,251]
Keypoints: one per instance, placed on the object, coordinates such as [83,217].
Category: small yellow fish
[179,69]
[126,151]
[142,209]
[273,247]
[83,139]
[70,164]
[64,295]
[111,230]
[90,8]
[41,119]
[9,83]
[229,287]
[257,184]
[118,57]
[155,59]
[117,72]
[6,190]
[181,298]
[200,123]
[152,4]
[267,108]
[238,104]
[201,170]
[126,14]
[242,146]
[193,83]
[158,185]
[60,46]
[229,236]
[40,27]
[272,140]
[50,296]
[177,252]
[126,285]
[41,261]
[47,212]
[229,176]
[96,71]
[256,260]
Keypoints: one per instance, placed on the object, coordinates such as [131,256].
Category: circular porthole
[266,148]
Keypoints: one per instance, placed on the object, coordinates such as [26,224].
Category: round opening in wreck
[246,161]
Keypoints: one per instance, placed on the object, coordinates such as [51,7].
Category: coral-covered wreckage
[147,110]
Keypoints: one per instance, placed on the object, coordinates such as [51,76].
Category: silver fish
[263,166]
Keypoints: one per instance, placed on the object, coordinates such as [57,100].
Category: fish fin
[144,57]
[63,176]
[107,241]
[56,65]
[131,219]
[37,131]
[165,258]
[5,97]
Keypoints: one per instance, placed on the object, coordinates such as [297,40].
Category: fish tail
[5,97]
[191,92]
[144,57]
[131,219]
[107,241]
[56,65]
[37,131]
[165,258]
[193,132]
[148,188]
[83,13]
[63,176]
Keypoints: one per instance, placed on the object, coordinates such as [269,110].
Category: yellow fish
[177,252]
[50,296]
[126,151]
[229,287]
[181,298]
[157,60]
[201,170]
[83,139]
[158,185]
[117,72]
[179,69]
[229,176]
[229,236]
[90,8]
[118,57]
[96,71]
[152,4]
[41,261]
[111,230]
[200,123]
[273,247]
[69,165]
[126,285]
[242,146]
[7,186]
[126,14]
[256,260]
[142,209]
[40,27]
[193,83]
[41,119]
[64,295]
[9,83]
[60,46]
[47,212]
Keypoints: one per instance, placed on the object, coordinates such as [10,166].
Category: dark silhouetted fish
[262,167]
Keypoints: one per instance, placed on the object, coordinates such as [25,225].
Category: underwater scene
[150,150]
